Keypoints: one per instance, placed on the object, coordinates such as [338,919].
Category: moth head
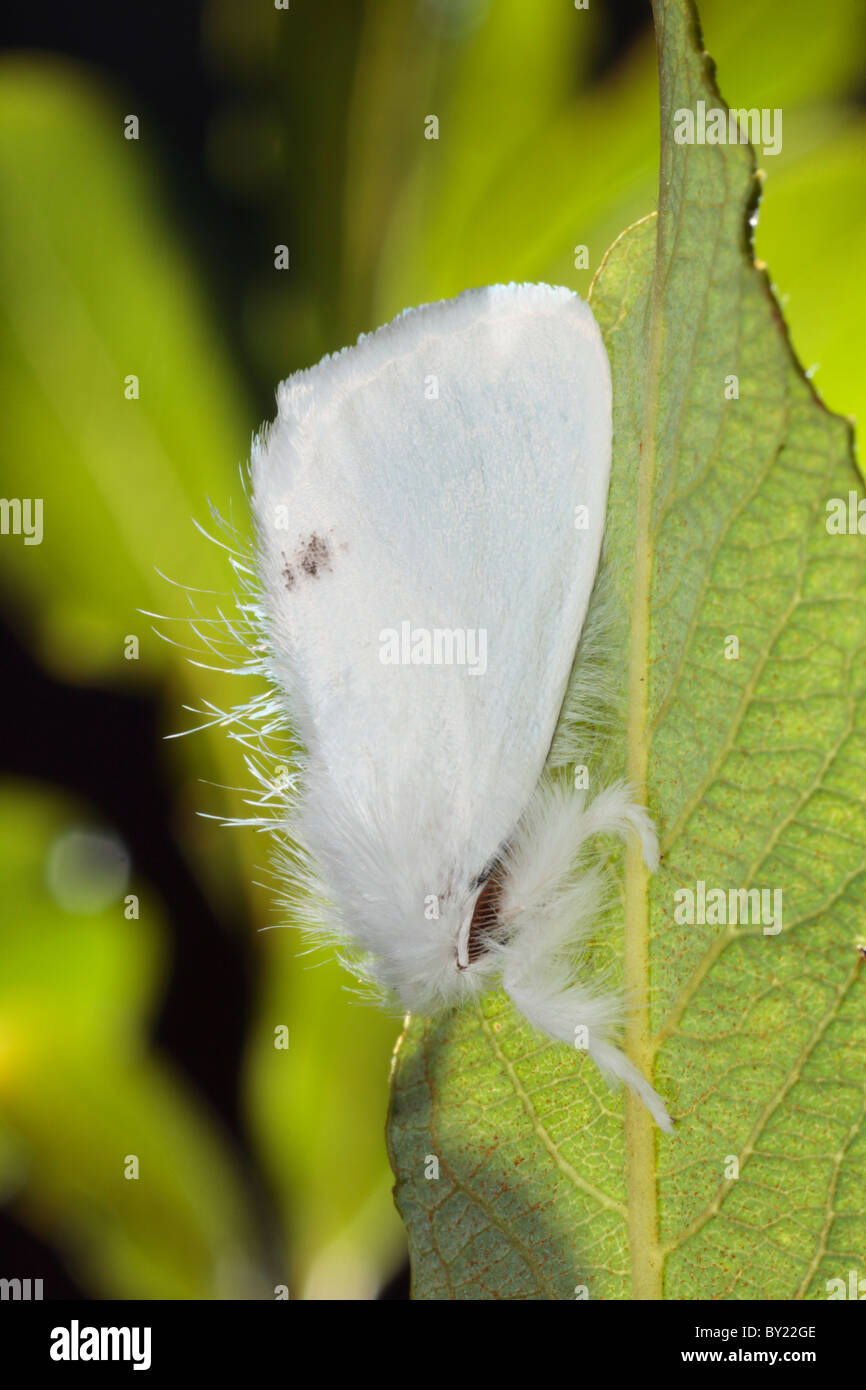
[455,957]
[481,925]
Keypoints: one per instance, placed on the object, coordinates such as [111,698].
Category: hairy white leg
[550,906]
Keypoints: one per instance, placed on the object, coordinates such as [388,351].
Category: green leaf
[754,770]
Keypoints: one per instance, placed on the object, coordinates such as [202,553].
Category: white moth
[424,588]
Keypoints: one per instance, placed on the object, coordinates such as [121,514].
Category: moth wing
[428,481]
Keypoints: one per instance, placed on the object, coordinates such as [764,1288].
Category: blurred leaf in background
[81,1096]
[95,286]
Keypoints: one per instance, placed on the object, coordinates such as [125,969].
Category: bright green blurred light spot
[87,870]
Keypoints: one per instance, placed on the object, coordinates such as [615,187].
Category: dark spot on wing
[314,555]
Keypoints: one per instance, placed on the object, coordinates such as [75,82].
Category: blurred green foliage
[318,137]
[80,1091]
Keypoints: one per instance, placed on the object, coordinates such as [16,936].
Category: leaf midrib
[640,1135]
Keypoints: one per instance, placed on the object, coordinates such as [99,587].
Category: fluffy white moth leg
[549,906]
